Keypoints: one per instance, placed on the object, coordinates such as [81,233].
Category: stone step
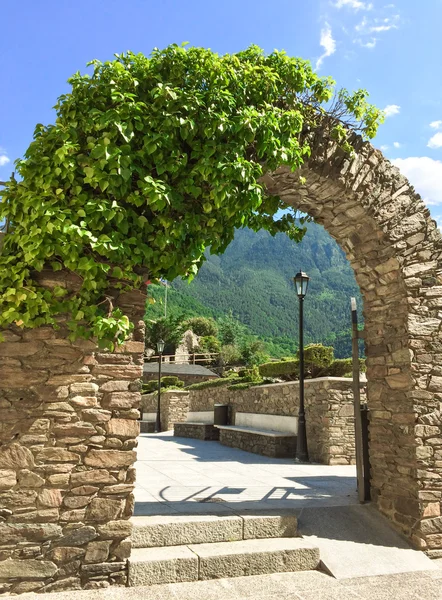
[148,566]
[174,530]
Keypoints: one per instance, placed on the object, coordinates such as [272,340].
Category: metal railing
[185,357]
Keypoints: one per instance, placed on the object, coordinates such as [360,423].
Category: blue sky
[392,49]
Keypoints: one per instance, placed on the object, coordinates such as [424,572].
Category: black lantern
[301,280]
[301,283]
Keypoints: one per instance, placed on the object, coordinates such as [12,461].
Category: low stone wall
[276,447]
[196,431]
[328,405]
[174,407]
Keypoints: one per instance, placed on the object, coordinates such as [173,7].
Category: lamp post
[160,348]
[301,283]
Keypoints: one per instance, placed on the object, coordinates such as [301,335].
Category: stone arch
[395,250]
[68,410]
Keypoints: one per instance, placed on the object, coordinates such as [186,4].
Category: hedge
[278,368]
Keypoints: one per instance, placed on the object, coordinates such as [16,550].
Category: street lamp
[160,348]
[301,283]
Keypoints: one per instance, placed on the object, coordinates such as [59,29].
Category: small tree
[231,331]
[169,329]
[202,326]
[253,352]
[316,358]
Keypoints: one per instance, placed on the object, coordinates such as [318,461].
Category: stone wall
[68,431]
[328,405]
[283,446]
[174,406]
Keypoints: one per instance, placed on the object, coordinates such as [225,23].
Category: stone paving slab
[356,541]
[307,585]
[176,471]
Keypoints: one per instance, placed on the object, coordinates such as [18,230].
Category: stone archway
[395,250]
[68,410]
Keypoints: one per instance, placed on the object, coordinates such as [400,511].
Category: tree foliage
[151,160]
[202,326]
[168,329]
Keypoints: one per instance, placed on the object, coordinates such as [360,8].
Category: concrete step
[174,530]
[148,566]
[170,564]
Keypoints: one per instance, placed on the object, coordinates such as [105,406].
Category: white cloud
[328,43]
[397,144]
[425,174]
[370,44]
[355,4]
[436,141]
[392,109]
[384,147]
[436,124]
[4,160]
[369,29]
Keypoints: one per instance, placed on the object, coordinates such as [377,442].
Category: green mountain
[254,280]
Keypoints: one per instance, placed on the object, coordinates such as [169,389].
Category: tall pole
[362,492]
[301,443]
[158,420]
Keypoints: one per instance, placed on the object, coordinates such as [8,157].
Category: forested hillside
[254,280]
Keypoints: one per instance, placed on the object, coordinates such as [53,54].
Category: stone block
[16,457]
[27,569]
[95,476]
[156,531]
[14,533]
[270,526]
[149,566]
[115,530]
[123,428]
[78,537]
[110,458]
[255,557]
[103,509]
[97,552]
[7,479]
[51,498]
[57,455]
[29,479]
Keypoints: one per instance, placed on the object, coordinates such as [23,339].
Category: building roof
[178,369]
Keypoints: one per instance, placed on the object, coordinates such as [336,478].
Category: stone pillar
[68,432]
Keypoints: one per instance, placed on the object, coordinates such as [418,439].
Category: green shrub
[202,326]
[289,368]
[317,358]
[249,375]
[342,367]
[150,386]
[171,381]
[231,355]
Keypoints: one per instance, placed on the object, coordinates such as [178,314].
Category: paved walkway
[186,475]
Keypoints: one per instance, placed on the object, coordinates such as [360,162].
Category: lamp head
[301,280]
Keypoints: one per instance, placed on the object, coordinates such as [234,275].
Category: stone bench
[199,426]
[147,423]
[268,435]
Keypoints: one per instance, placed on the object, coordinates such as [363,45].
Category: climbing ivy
[151,160]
